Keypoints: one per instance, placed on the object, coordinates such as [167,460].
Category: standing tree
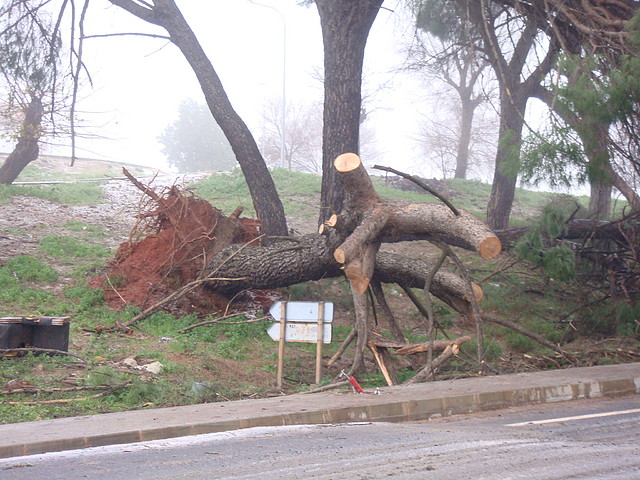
[29,61]
[509,58]
[605,34]
[303,137]
[194,141]
[167,15]
[458,61]
[345,29]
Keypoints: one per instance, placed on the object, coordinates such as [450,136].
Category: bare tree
[448,49]
[345,29]
[303,137]
[30,79]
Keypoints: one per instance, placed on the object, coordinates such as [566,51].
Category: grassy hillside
[55,238]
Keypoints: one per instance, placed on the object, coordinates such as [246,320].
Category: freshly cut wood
[360,270]
[427,372]
[429,218]
[438,345]
[383,359]
[411,348]
[374,220]
[331,222]
[357,183]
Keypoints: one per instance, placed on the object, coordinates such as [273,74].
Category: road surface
[589,439]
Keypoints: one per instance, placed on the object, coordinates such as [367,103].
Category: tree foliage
[194,141]
[30,50]
[303,136]
[539,245]
[30,83]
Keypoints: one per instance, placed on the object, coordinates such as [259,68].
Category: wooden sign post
[308,322]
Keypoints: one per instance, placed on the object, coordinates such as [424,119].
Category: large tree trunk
[345,28]
[600,198]
[26,151]
[595,137]
[507,160]
[266,201]
[466,125]
[350,247]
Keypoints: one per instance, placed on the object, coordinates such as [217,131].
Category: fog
[138,82]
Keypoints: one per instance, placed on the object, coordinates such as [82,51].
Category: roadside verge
[393,404]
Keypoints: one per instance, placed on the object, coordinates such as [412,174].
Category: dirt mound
[170,246]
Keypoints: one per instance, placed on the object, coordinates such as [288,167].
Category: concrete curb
[394,404]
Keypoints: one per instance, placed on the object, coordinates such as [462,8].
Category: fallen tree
[222,261]
[200,254]
[348,244]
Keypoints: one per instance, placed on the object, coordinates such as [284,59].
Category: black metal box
[35,331]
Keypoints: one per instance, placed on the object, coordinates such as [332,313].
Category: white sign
[306,312]
[301,322]
[300,332]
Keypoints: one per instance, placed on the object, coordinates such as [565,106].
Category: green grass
[299,192]
[26,288]
[67,249]
[67,194]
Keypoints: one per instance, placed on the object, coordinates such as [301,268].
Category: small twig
[343,346]
[6,351]
[175,295]
[520,329]
[219,321]
[431,331]
[499,271]
[421,308]
[330,386]
[420,183]
[70,400]
[114,289]
[32,389]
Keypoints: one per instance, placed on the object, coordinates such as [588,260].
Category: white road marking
[577,417]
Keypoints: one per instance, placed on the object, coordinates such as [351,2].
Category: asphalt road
[588,439]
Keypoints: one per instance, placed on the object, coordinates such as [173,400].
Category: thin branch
[420,183]
[431,331]
[219,321]
[343,346]
[70,400]
[139,34]
[7,351]
[330,386]
[32,389]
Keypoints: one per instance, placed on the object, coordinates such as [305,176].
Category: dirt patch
[170,246]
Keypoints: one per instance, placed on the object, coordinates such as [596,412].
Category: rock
[153,367]
[130,362]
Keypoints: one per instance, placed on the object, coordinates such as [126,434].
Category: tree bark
[507,160]
[26,150]
[345,28]
[514,93]
[266,201]
[354,244]
[466,125]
